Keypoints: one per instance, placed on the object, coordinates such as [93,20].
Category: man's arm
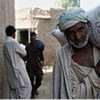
[20,50]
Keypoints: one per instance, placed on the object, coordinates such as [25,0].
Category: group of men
[76,69]
[24,81]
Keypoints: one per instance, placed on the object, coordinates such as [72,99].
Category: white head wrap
[70,17]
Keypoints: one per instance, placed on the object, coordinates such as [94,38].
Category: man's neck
[84,56]
[85,47]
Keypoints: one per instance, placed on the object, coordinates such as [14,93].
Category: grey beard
[80,44]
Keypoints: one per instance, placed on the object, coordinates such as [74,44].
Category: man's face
[33,38]
[77,35]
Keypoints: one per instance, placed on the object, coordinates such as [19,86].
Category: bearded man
[76,69]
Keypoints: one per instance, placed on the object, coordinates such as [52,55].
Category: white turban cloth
[71,17]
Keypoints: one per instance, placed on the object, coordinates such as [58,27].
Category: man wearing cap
[75,72]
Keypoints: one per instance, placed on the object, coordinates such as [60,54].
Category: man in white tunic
[19,83]
[76,69]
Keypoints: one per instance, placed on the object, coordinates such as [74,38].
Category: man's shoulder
[10,40]
[39,45]
[66,46]
[39,41]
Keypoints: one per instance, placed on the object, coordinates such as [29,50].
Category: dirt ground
[45,88]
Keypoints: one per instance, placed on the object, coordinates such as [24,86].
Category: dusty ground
[45,88]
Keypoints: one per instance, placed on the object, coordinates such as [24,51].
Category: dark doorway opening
[23,36]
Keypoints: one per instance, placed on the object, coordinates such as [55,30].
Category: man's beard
[80,43]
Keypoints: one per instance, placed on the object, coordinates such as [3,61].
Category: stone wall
[6,18]
[45,27]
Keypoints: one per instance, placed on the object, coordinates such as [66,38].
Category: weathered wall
[22,18]
[45,28]
[6,18]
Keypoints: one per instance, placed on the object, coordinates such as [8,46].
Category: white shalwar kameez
[19,82]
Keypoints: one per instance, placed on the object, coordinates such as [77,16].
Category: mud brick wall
[6,18]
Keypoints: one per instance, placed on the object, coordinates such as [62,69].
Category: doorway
[23,36]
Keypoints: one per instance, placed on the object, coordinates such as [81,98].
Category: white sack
[59,36]
[94,16]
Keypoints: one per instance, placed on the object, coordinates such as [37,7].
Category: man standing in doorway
[19,82]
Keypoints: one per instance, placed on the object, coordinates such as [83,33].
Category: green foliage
[66,3]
